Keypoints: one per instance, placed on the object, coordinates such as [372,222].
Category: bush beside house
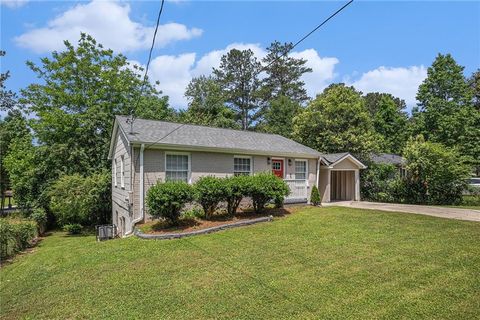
[435,175]
[166,200]
[315,196]
[75,199]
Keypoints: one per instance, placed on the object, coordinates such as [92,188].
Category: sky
[383,46]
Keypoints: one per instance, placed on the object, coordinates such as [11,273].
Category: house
[391,159]
[148,151]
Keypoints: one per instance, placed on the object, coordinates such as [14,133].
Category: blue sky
[373,45]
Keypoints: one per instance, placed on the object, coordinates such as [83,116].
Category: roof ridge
[210,127]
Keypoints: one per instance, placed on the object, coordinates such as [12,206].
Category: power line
[258,72]
[148,61]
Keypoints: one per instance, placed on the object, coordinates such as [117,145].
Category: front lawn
[316,263]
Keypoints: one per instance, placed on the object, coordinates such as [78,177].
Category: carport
[339,177]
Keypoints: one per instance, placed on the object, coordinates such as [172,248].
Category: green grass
[317,263]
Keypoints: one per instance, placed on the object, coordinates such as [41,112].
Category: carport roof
[331,159]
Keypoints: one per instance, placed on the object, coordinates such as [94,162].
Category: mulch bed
[188,225]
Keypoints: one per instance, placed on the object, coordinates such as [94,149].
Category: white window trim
[189,174]
[243,157]
[115,182]
[285,164]
[306,169]
[122,172]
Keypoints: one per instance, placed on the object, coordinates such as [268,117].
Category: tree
[82,89]
[238,79]
[445,112]
[283,74]
[337,121]
[13,127]
[206,105]
[8,99]
[389,120]
[474,82]
[436,174]
[278,117]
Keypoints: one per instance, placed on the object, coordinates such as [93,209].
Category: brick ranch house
[150,151]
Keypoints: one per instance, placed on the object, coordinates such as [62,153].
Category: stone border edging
[179,235]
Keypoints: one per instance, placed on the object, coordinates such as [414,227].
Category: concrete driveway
[442,212]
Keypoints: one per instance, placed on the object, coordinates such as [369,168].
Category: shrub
[73,228]
[15,237]
[83,200]
[40,217]
[208,193]
[235,188]
[165,200]
[265,187]
[376,182]
[193,213]
[436,174]
[315,196]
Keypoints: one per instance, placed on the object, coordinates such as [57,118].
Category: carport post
[357,185]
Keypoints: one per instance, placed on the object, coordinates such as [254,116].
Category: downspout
[142,210]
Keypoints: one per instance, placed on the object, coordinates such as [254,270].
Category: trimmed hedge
[209,191]
[235,188]
[167,199]
[263,188]
[16,237]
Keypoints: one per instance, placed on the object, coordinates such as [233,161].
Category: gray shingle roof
[194,136]
[333,157]
[387,158]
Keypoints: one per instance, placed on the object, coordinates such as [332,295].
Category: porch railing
[298,189]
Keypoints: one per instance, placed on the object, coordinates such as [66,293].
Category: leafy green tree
[8,98]
[239,81]
[445,111]
[278,117]
[21,165]
[83,88]
[337,121]
[206,105]
[436,174]
[474,82]
[12,127]
[389,120]
[283,74]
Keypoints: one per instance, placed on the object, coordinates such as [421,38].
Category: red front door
[277,167]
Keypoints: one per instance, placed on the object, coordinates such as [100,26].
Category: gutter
[142,202]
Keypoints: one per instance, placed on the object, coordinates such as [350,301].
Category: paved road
[450,213]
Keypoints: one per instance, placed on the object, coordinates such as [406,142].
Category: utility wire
[256,73]
[148,61]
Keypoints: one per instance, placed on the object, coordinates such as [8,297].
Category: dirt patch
[193,224]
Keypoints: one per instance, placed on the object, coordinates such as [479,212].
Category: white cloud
[322,71]
[13,4]
[109,23]
[401,82]
[175,72]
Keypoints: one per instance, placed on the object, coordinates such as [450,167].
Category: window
[122,172]
[276,166]
[115,172]
[242,166]
[177,167]
[300,169]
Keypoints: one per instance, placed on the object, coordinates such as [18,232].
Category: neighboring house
[391,159]
[150,151]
